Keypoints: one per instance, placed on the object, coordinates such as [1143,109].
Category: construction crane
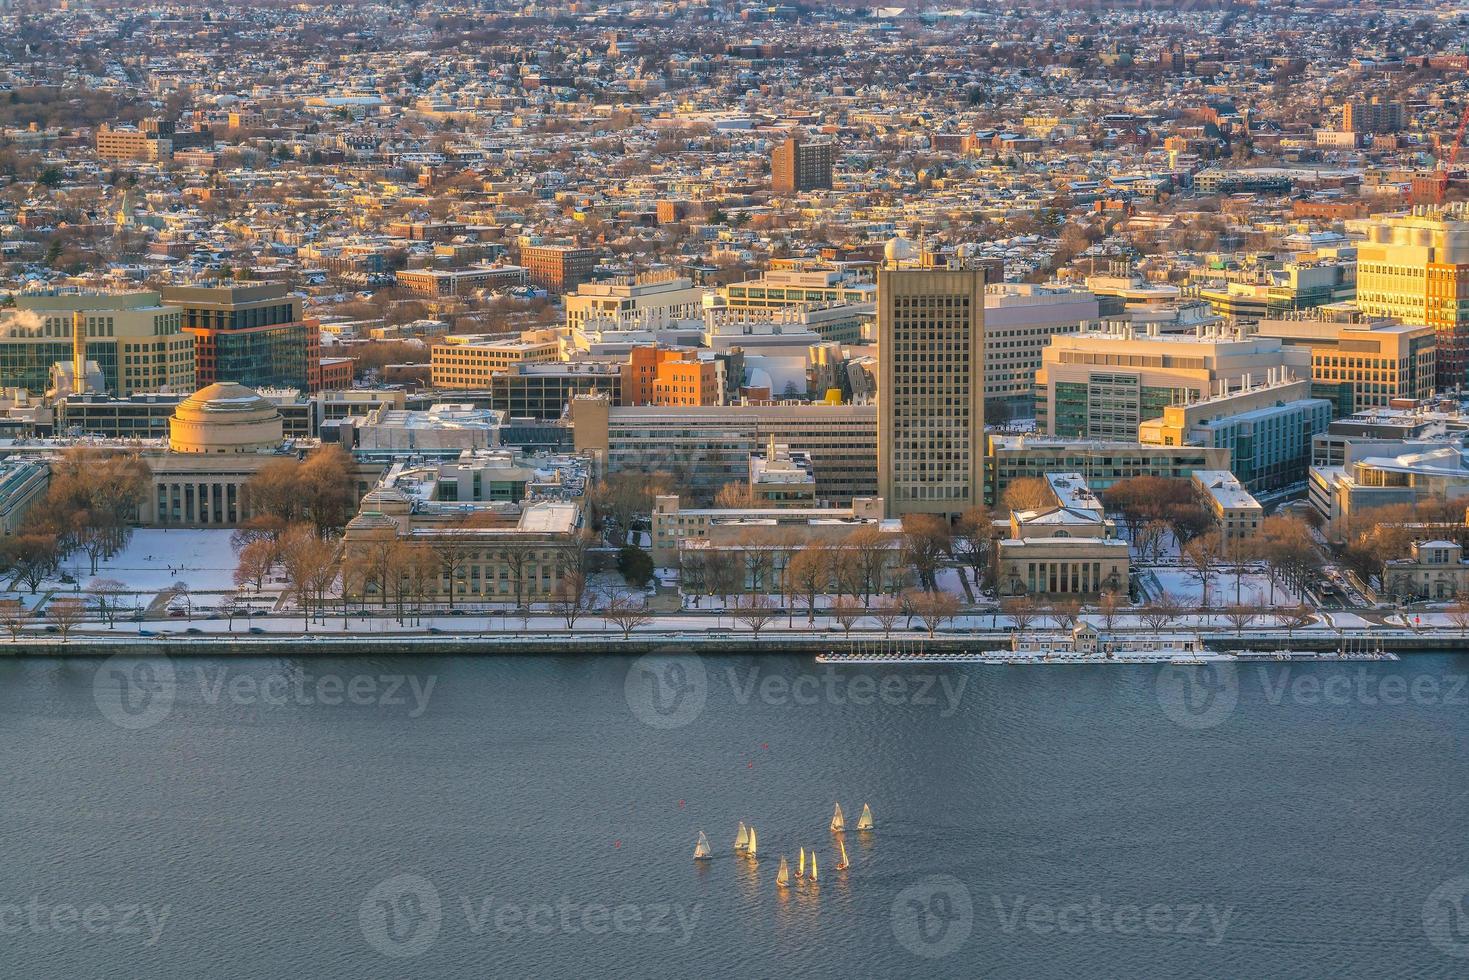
[1443,183]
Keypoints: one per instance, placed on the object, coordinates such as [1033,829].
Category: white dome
[899,249]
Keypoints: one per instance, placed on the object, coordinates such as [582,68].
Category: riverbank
[643,641]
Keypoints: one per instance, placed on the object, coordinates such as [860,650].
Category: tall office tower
[253,335]
[1416,267]
[799,165]
[930,428]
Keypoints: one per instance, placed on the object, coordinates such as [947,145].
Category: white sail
[701,849]
[813,867]
[750,850]
[742,839]
[842,847]
[838,822]
[783,876]
[864,822]
[801,864]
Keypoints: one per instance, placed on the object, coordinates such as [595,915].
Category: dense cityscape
[667,488]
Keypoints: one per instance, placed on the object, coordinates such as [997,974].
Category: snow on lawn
[1254,587]
[155,558]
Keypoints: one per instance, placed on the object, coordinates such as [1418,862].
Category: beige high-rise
[930,430]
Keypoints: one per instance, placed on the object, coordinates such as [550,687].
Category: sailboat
[801,865]
[750,848]
[813,868]
[701,849]
[843,864]
[838,822]
[783,876]
[742,839]
[864,822]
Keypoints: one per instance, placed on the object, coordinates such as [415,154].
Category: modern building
[253,335]
[1268,430]
[642,302]
[781,478]
[137,342]
[780,288]
[23,482]
[1101,464]
[800,164]
[1277,292]
[930,442]
[558,268]
[654,376]
[472,360]
[703,449]
[540,390]
[1019,321]
[1104,384]
[1371,476]
[1415,267]
[1360,362]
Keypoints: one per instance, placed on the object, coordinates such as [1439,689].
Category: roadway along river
[536,817]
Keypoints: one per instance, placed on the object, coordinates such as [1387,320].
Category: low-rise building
[1433,570]
[1068,549]
[1236,512]
[1101,463]
[469,361]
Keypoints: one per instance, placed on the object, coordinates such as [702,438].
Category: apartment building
[558,268]
[458,282]
[800,164]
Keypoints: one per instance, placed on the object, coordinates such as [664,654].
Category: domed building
[225,417]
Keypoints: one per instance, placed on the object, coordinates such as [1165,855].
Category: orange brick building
[653,376]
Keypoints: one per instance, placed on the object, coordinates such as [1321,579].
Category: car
[175,614]
[257,631]
[435,631]
[194,631]
[456,612]
[146,633]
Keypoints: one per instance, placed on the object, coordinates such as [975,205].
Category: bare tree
[1065,613]
[1161,612]
[1239,616]
[973,536]
[518,556]
[1458,612]
[66,613]
[1108,605]
[925,542]
[886,610]
[755,611]
[1202,555]
[846,612]
[13,617]
[809,572]
[1021,610]
[628,613]
[106,594]
[570,599]
[935,609]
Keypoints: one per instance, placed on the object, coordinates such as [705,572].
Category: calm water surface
[536,817]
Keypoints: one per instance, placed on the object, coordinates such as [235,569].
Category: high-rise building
[1415,267]
[800,165]
[930,433]
[251,335]
[1358,362]
[1374,115]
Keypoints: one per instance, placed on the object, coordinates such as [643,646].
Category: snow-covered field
[1254,587]
[156,558]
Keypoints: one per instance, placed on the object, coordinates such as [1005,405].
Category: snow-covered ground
[155,558]
[1254,587]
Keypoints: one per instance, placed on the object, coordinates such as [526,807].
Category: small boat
[801,865]
[701,849]
[750,848]
[864,822]
[783,876]
[813,867]
[843,864]
[838,822]
[742,839]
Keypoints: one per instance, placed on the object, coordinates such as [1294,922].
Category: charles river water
[534,817]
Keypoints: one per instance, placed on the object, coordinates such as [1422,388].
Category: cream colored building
[626,303]
[1434,570]
[225,418]
[1068,549]
[930,432]
[468,361]
[1235,510]
[1359,363]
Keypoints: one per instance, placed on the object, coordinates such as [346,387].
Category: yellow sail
[838,822]
[750,850]
[701,849]
[842,847]
[813,867]
[783,876]
[742,839]
[864,822]
[801,865]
